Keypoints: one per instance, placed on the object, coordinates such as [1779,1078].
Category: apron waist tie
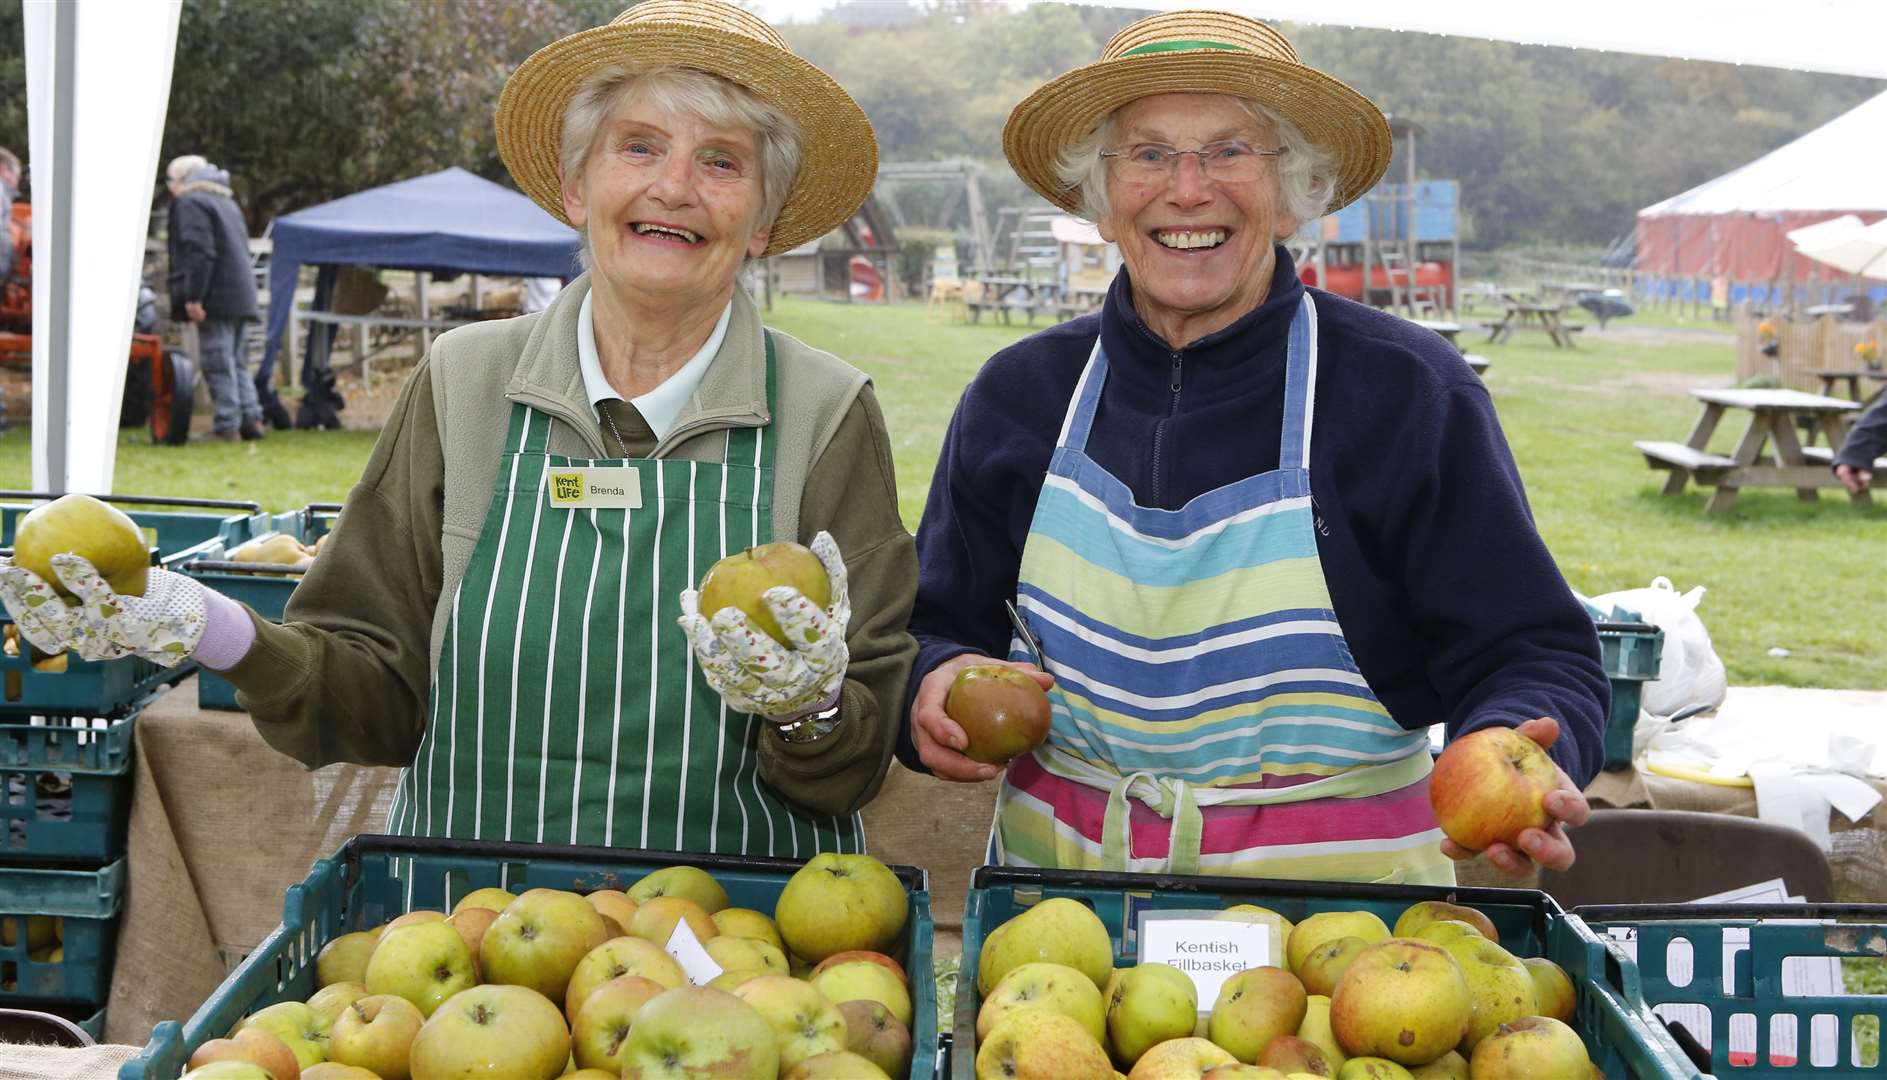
[1167,796]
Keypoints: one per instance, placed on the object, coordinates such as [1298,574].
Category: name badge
[610,487]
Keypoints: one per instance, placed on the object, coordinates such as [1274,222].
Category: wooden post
[423,280]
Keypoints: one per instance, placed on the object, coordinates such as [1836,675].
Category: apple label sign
[694,960]
[1209,946]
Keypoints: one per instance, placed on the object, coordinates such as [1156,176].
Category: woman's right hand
[938,738]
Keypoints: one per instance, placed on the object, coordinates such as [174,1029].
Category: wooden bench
[1479,363]
[1822,455]
[1706,466]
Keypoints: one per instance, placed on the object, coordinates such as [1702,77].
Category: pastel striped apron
[566,707]
[1208,715]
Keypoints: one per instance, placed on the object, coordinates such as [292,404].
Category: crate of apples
[1369,984]
[742,969]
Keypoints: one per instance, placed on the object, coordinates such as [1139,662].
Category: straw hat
[839,159]
[1198,52]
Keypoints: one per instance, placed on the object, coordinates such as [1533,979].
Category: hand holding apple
[941,741]
[1514,813]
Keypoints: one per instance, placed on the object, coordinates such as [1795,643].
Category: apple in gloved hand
[739,581]
[81,525]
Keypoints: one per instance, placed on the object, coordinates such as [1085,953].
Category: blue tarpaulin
[447,222]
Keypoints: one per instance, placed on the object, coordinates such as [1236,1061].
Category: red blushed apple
[1489,786]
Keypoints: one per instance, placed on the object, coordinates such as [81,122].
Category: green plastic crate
[111,687]
[1630,651]
[87,902]
[1621,1035]
[375,878]
[1747,1005]
[65,789]
[267,593]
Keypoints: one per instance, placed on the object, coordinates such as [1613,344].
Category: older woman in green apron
[506,606]
[1264,536]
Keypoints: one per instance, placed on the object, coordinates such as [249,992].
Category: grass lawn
[1780,572]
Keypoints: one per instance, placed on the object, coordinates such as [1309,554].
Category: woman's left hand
[754,673]
[1548,847]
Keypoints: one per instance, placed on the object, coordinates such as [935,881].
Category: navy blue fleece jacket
[1449,600]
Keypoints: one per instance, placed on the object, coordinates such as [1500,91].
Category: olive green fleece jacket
[346,677]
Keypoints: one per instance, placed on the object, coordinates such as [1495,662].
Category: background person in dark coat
[1854,462]
[211,284]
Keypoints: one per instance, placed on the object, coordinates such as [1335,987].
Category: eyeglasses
[1230,161]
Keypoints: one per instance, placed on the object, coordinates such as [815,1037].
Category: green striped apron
[565,706]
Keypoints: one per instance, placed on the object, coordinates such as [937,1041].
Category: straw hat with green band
[1198,52]
[839,154]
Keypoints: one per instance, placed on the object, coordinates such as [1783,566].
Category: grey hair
[706,97]
[180,168]
[1305,181]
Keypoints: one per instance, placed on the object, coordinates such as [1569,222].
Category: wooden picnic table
[1532,315]
[1773,415]
[1852,376]
[1452,331]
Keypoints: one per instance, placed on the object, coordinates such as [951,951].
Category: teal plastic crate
[1621,1035]
[65,789]
[266,592]
[375,878]
[110,687]
[85,903]
[1630,651]
[1744,1003]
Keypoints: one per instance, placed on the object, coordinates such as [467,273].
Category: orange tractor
[160,385]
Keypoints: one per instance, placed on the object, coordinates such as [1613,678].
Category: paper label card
[694,960]
[607,487]
[1209,946]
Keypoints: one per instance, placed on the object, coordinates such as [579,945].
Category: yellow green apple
[656,919]
[303,1030]
[334,1070]
[806,1022]
[1324,966]
[1316,1030]
[1446,932]
[697,1033]
[1533,1048]
[1325,925]
[1180,1059]
[334,997]
[1449,1066]
[603,1021]
[231,1069]
[538,939]
[1372,1068]
[687,882]
[1402,999]
[412,918]
[491,898]
[748,923]
[746,954]
[1296,1054]
[476,1028]
[612,960]
[730,978]
[1044,986]
[875,1035]
[740,580]
[376,1033]
[1058,931]
[1500,986]
[862,980]
[345,958]
[835,1065]
[1254,1007]
[81,525]
[1420,914]
[862,954]
[471,923]
[254,1045]
[1151,1004]
[1238,1070]
[425,963]
[838,902]
[1041,1044]
[1552,988]
[613,904]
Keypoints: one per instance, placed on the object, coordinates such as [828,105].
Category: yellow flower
[1766,330]
[1867,351]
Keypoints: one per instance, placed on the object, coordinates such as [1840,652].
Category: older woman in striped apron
[1264,536]
[498,608]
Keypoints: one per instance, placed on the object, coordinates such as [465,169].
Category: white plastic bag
[1689,673]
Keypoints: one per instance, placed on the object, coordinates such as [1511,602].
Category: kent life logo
[566,487]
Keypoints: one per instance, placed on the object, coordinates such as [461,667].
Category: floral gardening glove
[163,626]
[755,674]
